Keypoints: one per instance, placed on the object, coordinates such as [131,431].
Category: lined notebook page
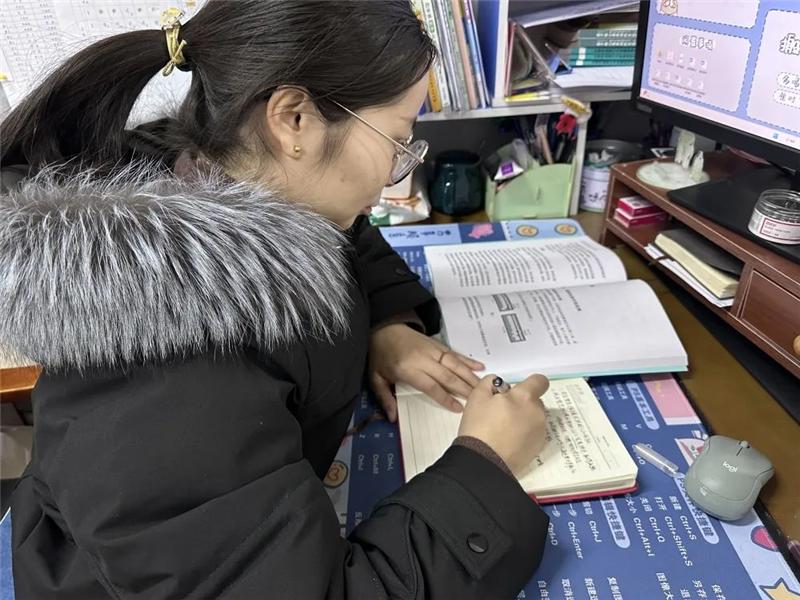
[426,429]
[583,453]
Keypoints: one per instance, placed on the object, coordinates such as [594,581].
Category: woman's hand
[399,354]
[512,424]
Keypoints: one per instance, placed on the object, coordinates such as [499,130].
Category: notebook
[583,457]
[717,270]
[561,307]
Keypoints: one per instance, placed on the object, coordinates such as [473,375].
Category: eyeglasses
[407,156]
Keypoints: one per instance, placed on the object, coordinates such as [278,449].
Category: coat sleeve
[191,483]
[392,288]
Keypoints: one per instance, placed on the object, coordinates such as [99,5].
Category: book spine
[438,65]
[603,62]
[434,101]
[434,98]
[602,53]
[463,50]
[491,20]
[475,51]
[606,43]
[447,56]
[455,53]
[608,34]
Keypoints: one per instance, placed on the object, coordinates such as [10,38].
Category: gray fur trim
[100,272]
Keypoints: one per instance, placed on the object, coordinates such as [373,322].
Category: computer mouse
[726,477]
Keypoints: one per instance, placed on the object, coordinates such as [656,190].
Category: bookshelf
[766,308]
[470,78]
[551,104]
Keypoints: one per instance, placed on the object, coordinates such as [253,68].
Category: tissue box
[541,192]
[400,190]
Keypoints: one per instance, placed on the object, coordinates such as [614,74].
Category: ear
[293,121]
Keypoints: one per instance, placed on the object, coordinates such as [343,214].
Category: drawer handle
[797,346]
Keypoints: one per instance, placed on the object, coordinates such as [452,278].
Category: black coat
[203,347]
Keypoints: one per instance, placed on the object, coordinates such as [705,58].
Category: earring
[296,149]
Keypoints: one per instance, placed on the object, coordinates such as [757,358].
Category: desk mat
[648,545]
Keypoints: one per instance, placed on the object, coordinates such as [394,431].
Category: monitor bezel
[761,147]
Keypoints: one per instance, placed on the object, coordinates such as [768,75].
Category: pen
[655,459]
[499,386]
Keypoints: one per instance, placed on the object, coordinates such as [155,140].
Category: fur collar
[102,272]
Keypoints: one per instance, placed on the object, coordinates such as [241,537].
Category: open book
[583,456]
[561,307]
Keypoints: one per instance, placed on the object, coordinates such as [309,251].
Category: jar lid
[781,203]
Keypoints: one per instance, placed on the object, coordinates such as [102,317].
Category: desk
[649,544]
[727,397]
[16,383]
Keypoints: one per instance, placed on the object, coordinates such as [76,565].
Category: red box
[636,206]
[621,217]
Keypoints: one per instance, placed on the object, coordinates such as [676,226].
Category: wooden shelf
[16,383]
[551,104]
[766,308]
[639,237]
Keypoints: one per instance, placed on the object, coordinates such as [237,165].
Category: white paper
[654,251]
[38,35]
[681,272]
[612,77]
[582,452]
[584,330]
[510,266]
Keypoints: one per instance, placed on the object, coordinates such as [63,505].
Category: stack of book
[606,45]
[457,80]
[706,268]
[633,211]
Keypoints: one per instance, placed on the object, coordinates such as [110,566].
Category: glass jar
[776,217]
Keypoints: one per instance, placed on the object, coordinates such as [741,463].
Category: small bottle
[776,217]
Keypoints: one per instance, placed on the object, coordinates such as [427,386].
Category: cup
[457,187]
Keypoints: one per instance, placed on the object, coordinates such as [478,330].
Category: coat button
[401,271]
[477,543]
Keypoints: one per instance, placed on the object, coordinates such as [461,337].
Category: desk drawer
[775,313]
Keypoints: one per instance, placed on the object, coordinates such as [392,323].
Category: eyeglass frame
[402,146]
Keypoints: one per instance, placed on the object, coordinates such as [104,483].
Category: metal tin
[776,217]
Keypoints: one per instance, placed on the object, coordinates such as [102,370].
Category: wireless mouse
[727,476]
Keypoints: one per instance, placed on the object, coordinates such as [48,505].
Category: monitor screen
[730,63]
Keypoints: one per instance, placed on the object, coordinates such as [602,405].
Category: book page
[582,452]
[514,266]
[609,328]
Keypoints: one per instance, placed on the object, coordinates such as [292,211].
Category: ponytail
[350,52]
[79,112]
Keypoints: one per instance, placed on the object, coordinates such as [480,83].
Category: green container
[541,192]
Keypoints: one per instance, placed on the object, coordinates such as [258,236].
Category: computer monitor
[726,69]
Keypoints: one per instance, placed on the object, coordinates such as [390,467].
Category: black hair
[360,53]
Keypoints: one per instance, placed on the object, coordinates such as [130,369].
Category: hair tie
[171,24]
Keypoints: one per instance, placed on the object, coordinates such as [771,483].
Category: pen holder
[541,192]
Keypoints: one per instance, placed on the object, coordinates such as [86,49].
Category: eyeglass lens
[404,163]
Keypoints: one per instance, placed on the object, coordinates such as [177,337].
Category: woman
[204,292]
